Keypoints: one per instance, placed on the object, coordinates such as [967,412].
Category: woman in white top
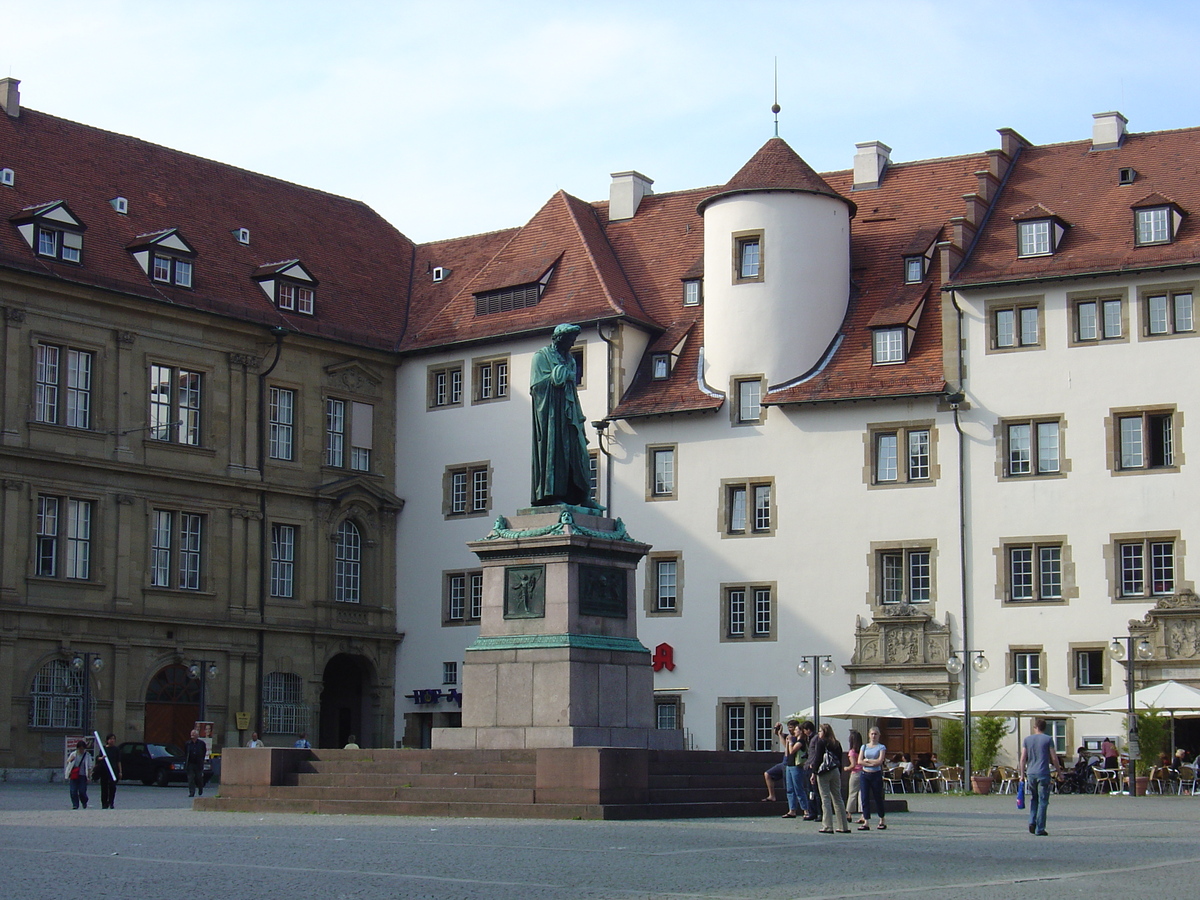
[873,758]
[77,771]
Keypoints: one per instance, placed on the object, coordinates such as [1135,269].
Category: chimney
[870,162]
[625,193]
[10,96]
[1108,130]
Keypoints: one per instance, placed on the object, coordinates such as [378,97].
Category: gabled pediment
[167,239]
[354,376]
[362,489]
[54,211]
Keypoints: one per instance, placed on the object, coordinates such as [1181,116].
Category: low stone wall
[31,776]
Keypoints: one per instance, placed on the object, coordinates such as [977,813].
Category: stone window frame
[650,600]
[432,390]
[739,241]
[499,379]
[1001,432]
[1002,555]
[871,446]
[748,706]
[1010,663]
[469,470]
[1073,652]
[1112,564]
[1112,439]
[878,550]
[1015,305]
[652,451]
[725,508]
[1170,291]
[1076,298]
[749,633]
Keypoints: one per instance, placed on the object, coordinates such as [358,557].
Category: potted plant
[1153,733]
[950,742]
[987,734]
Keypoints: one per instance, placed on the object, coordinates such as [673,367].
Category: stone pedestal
[558,662]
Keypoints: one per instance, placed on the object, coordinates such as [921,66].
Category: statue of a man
[560,454]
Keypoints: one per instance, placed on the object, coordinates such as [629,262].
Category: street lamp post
[954,665]
[202,670]
[818,665]
[85,664]
[1122,648]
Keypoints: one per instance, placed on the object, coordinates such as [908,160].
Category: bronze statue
[561,468]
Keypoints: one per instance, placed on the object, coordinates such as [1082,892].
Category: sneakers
[1032,830]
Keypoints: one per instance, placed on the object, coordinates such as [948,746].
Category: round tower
[776,270]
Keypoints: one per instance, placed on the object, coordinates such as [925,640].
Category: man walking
[1037,759]
[195,751]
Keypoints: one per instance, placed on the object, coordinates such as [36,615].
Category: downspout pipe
[955,399]
[602,425]
[279,333]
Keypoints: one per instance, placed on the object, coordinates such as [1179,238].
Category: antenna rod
[775,106]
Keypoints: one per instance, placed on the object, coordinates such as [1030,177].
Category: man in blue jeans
[1038,758]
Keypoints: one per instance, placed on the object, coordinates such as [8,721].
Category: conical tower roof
[776,167]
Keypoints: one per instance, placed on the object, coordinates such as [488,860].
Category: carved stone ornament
[246,360]
[14,315]
[126,337]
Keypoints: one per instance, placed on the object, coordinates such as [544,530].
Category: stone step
[409,779]
[461,796]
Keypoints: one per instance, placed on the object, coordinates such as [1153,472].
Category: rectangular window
[1146,440]
[1016,327]
[467,490]
[362,436]
[456,597]
[175,396]
[764,725]
[1033,448]
[666,714]
[666,581]
[1153,225]
[283,559]
[662,475]
[905,576]
[1034,237]
[335,432]
[69,540]
[359,430]
[735,618]
[172,270]
[748,258]
[1056,730]
[691,293]
[762,611]
[450,673]
[1035,572]
[748,612]
[888,467]
[914,269]
[1169,313]
[1027,668]
[475,595]
[735,727]
[64,245]
[749,394]
[742,518]
[1098,320]
[1089,669]
[491,380]
[63,392]
[282,403]
[445,386]
[1147,568]
[176,554]
[888,345]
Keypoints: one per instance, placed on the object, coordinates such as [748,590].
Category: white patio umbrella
[1168,696]
[1175,699]
[1012,700]
[868,702]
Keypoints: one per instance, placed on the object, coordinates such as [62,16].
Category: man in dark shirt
[105,757]
[194,752]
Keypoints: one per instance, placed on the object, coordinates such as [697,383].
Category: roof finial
[775,106]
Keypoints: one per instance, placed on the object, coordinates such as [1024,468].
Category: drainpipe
[279,333]
[602,425]
[955,399]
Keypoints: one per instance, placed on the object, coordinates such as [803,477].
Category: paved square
[154,845]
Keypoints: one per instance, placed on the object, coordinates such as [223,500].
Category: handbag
[1021,794]
[74,773]
[830,762]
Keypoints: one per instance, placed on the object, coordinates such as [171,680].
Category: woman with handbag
[826,754]
[76,771]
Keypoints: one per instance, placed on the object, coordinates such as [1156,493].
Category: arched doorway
[345,702]
[172,706]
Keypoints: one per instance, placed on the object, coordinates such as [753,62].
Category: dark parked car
[155,763]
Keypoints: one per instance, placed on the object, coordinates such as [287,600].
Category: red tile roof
[361,261]
[776,167]
[1083,188]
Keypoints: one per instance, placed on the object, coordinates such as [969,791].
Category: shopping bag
[1021,794]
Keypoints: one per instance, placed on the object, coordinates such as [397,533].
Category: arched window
[56,697]
[284,709]
[172,685]
[347,574]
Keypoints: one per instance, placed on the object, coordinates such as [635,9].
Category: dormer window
[8,177]
[691,292]
[888,344]
[660,366]
[1156,220]
[506,299]
[52,231]
[914,269]
[1039,232]
[165,256]
[291,287]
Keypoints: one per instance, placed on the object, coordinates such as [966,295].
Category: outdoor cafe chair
[1107,780]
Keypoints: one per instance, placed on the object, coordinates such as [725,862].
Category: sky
[457,117]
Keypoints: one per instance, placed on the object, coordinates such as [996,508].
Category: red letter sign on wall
[664,658]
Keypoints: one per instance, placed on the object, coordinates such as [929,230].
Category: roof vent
[1127,175]
[626,193]
[242,235]
[1108,130]
[120,204]
[8,177]
[870,162]
[439,274]
[10,96]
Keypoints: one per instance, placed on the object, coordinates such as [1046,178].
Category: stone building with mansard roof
[871,413]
